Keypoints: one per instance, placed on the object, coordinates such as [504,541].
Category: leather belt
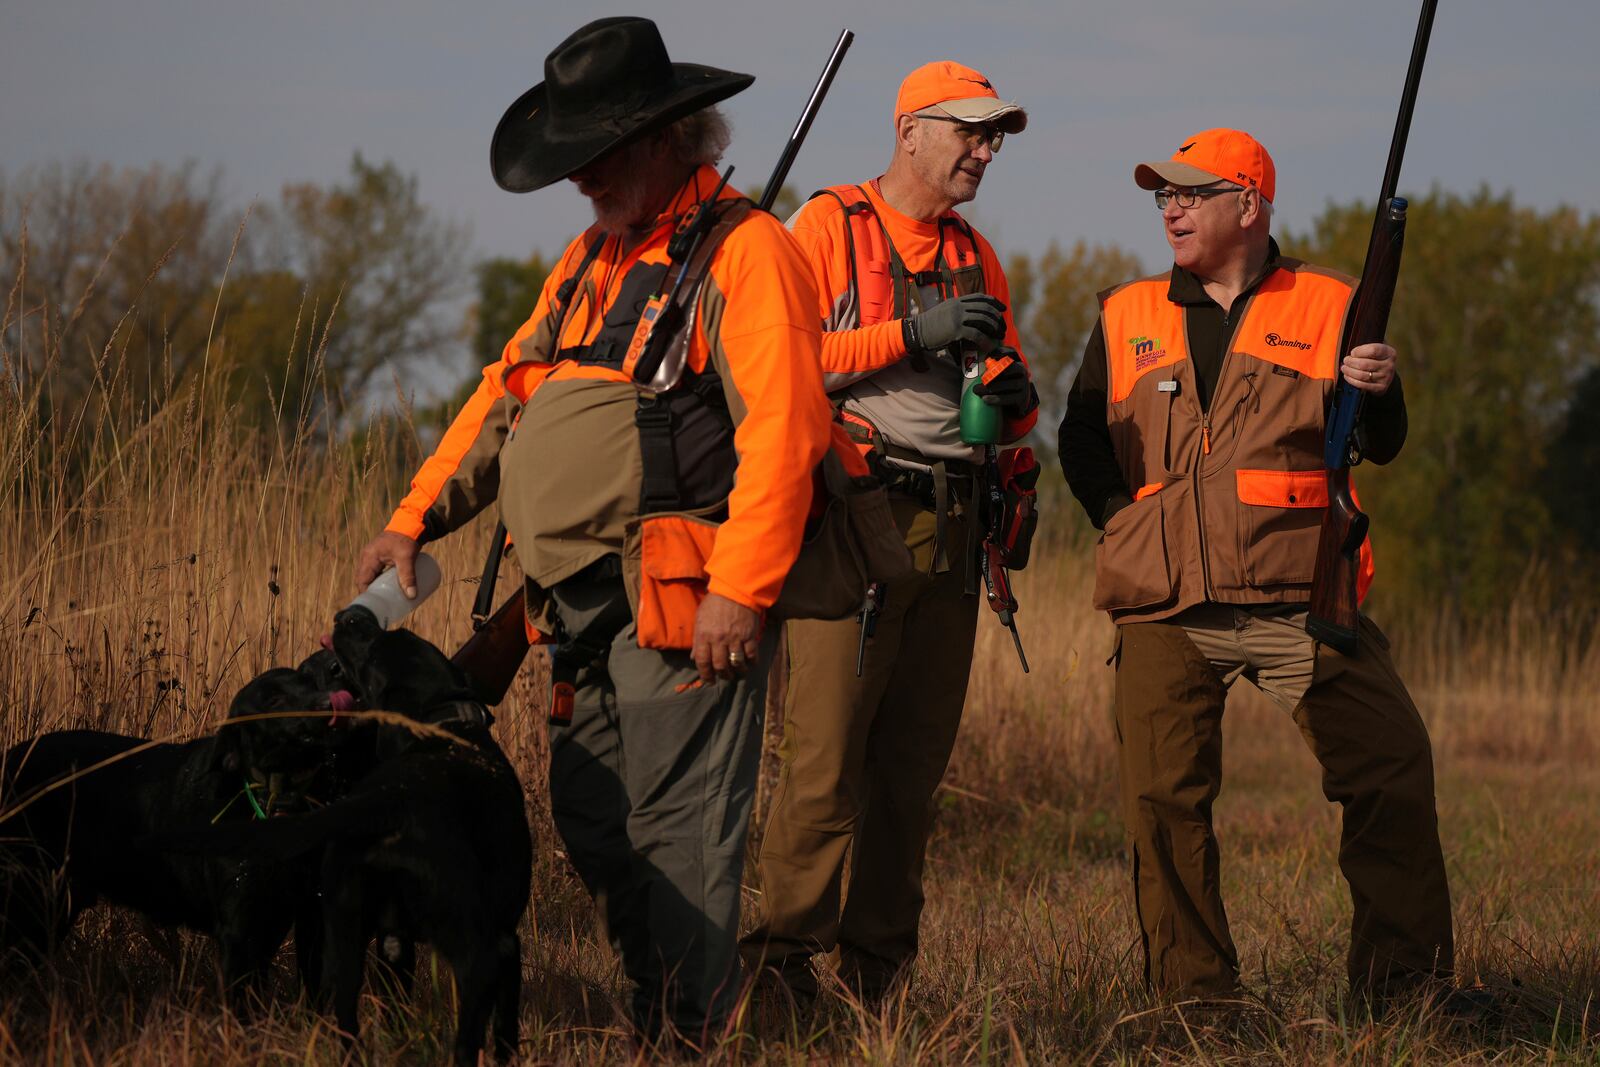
[922,487]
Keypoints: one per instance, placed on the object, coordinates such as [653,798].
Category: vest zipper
[1205,450]
[1205,432]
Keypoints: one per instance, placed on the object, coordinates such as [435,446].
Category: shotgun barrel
[1334,612]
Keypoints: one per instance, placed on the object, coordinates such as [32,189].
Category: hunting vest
[579,482]
[908,412]
[1228,502]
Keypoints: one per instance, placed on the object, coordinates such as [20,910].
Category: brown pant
[1360,723]
[862,758]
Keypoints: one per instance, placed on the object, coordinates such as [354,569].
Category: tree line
[126,283]
[130,283]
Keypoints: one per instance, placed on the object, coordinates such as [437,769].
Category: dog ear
[227,751]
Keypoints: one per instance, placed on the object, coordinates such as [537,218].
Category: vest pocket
[1132,568]
[671,558]
[1279,525]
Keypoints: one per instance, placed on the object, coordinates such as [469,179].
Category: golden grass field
[151,563]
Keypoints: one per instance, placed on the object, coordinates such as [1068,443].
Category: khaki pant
[651,786]
[862,758]
[1360,723]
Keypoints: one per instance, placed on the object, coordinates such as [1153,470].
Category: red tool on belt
[1005,537]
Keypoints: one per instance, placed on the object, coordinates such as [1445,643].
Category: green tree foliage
[1573,466]
[508,290]
[1053,304]
[372,249]
[1496,321]
[126,285]
[102,262]
[785,204]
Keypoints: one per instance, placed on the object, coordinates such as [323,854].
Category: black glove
[1010,390]
[976,319]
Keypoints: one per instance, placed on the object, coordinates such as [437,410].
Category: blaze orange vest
[882,287]
[1228,502]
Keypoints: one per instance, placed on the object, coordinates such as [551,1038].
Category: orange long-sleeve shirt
[756,324]
[860,341]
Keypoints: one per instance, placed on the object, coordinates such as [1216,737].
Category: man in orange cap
[910,295]
[655,509]
[1193,439]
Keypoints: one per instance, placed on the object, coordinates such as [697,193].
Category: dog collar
[470,712]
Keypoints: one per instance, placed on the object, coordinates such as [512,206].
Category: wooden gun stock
[493,654]
[1333,615]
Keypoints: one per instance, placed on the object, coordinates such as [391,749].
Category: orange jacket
[863,335]
[756,319]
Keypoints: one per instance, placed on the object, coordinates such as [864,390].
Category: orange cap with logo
[959,92]
[1210,156]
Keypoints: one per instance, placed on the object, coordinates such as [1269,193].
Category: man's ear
[905,132]
[1249,207]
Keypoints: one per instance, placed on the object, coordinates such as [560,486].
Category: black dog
[73,832]
[432,844]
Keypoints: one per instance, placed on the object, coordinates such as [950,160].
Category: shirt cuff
[727,592]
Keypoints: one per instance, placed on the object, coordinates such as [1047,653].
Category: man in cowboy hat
[655,493]
[908,293]
[1193,437]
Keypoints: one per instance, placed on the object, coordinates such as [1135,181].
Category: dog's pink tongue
[326,641]
[342,700]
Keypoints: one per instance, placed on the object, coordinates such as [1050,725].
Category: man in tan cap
[910,296]
[1193,438]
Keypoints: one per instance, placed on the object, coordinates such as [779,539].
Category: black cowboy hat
[607,84]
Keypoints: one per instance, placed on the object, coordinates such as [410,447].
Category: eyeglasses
[1189,196]
[974,133]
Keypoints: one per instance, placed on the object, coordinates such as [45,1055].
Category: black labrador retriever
[78,809]
[431,844]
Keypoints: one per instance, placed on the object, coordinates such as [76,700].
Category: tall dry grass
[156,557]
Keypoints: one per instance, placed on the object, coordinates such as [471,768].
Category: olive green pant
[651,786]
[861,760]
[1355,714]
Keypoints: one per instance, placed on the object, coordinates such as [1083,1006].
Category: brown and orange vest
[1228,502]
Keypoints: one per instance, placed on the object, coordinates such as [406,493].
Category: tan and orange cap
[959,92]
[1210,156]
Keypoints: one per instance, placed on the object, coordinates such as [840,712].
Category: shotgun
[1334,611]
[492,656]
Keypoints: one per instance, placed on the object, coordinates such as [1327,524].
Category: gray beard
[626,211]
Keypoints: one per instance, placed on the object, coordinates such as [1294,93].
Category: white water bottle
[384,598]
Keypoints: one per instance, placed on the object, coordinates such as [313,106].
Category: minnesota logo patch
[1147,352]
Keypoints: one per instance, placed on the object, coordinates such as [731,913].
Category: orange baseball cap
[1213,155]
[960,92]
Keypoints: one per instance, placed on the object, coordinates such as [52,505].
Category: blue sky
[285,90]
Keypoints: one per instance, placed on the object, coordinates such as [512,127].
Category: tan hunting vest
[1227,502]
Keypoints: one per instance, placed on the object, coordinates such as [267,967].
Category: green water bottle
[980,422]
